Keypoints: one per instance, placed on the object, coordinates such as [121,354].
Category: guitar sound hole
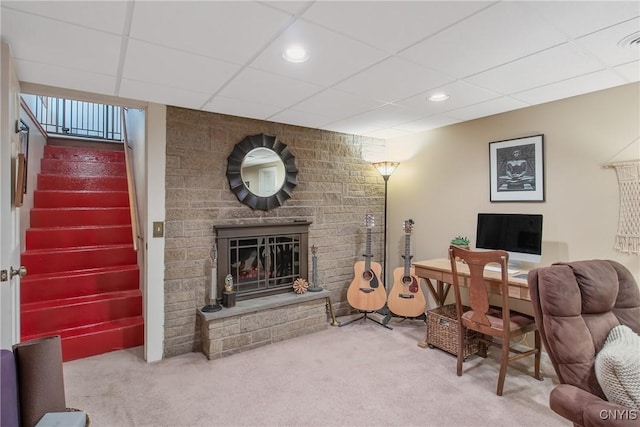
[367,275]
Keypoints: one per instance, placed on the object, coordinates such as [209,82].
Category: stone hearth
[257,322]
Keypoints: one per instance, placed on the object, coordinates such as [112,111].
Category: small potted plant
[460,241]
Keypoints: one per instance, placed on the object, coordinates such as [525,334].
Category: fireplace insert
[262,259]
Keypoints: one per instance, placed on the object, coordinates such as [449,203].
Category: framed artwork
[516,169]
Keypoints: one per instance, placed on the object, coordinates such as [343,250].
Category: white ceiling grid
[372,63]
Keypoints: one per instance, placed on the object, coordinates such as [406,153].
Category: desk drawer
[442,331]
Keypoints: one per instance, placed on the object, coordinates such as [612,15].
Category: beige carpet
[357,375]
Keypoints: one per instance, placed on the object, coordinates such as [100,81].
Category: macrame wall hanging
[628,235]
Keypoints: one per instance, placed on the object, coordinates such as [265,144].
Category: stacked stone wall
[336,188]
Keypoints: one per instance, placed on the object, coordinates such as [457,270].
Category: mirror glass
[262,172]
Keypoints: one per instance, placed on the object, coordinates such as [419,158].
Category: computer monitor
[518,234]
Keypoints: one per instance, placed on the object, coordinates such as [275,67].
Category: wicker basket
[442,331]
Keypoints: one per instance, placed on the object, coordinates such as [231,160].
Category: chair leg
[461,345]
[537,357]
[504,362]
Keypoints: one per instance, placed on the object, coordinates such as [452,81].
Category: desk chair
[499,323]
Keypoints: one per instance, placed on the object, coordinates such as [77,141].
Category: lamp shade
[386,168]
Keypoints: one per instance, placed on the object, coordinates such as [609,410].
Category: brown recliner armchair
[575,305]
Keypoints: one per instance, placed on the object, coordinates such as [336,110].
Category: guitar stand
[365,317]
[389,315]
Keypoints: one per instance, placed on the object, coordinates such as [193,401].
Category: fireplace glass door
[262,259]
[265,262]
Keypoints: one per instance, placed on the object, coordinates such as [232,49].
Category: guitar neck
[407,255]
[367,255]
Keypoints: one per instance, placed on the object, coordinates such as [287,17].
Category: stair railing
[133,200]
[77,118]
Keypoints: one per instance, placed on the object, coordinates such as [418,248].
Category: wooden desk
[440,271]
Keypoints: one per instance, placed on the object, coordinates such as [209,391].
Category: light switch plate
[158,229]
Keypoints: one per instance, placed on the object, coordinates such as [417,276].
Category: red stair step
[76,168]
[54,315]
[69,284]
[112,336]
[82,154]
[91,340]
[103,338]
[61,217]
[86,183]
[66,199]
[66,237]
[39,261]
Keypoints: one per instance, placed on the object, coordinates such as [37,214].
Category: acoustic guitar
[406,298]
[366,292]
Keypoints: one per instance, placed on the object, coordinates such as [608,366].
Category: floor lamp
[385,169]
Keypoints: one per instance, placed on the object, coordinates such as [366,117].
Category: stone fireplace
[264,260]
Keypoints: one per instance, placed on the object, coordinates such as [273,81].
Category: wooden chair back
[478,294]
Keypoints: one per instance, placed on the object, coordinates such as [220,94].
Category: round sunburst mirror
[262,172]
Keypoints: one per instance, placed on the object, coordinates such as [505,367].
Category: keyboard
[499,269]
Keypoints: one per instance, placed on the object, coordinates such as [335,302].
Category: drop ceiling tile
[161,94]
[165,66]
[390,25]
[387,133]
[234,107]
[460,94]
[299,118]
[60,44]
[571,87]
[292,7]
[336,104]
[53,75]
[427,123]
[352,126]
[333,57]
[594,15]
[606,45]
[98,15]
[388,116]
[487,108]
[556,64]
[393,79]
[501,33]
[257,86]
[229,30]
[630,71]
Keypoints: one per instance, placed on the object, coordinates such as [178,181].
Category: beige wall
[443,180]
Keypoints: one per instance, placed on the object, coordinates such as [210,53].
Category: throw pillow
[617,367]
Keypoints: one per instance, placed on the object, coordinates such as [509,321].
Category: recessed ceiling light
[295,54]
[632,40]
[437,97]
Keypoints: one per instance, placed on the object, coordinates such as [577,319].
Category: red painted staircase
[83,279]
